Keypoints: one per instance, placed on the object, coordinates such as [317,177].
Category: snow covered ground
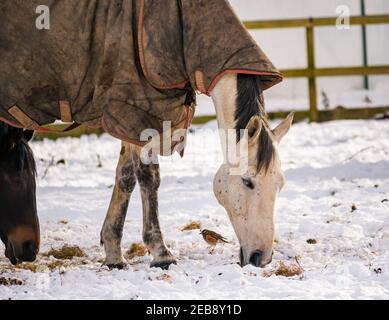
[329,167]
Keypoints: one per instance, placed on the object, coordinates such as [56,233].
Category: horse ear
[28,134]
[254,128]
[282,129]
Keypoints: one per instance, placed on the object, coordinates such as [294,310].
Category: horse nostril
[29,251]
[256,259]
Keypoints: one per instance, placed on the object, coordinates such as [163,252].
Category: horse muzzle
[22,245]
[26,252]
[256,258]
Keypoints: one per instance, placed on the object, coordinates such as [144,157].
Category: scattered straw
[312,241]
[10,282]
[27,266]
[284,270]
[66,253]
[56,265]
[165,277]
[194,225]
[136,250]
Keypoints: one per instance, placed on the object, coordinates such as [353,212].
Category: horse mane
[249,103]
[18,153]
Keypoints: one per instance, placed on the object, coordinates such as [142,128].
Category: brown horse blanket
[123,65]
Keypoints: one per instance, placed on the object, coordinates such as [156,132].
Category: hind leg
[149,180]
[112,231]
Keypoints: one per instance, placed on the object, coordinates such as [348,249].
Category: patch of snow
[328,167]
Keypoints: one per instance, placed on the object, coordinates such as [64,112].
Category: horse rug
[122,65]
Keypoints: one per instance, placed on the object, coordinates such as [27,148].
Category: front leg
[149,180]
[112,231]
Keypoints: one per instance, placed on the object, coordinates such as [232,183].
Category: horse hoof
[14,261]
[118,266]
[164,265]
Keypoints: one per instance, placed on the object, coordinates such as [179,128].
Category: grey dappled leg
[149,181]
[112,231]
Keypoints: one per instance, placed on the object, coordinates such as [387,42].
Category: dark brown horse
[19,226]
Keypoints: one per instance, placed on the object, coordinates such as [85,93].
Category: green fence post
[364,45]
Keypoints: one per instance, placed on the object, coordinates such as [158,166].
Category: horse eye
[248,183]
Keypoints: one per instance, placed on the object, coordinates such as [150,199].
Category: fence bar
[324,115]
[316,22]
[334,72]
[339,113]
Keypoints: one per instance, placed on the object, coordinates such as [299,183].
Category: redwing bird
[212,238]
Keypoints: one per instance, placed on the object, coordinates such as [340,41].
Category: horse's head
[19,226]
[249,198]
[247,185]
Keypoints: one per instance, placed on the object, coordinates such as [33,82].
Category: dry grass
[51,265]
[285,270]
[136,250]
[65,253]
[10,282]
[165,277]
[54,259]
[194,225]
[312,241]
[27,266]
[56,265]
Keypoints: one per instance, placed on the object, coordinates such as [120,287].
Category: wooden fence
[312,72]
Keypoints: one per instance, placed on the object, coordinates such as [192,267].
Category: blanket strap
[30,124]
[189,111]
[189,101]
[23,119]
[65,111]
[199,77]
